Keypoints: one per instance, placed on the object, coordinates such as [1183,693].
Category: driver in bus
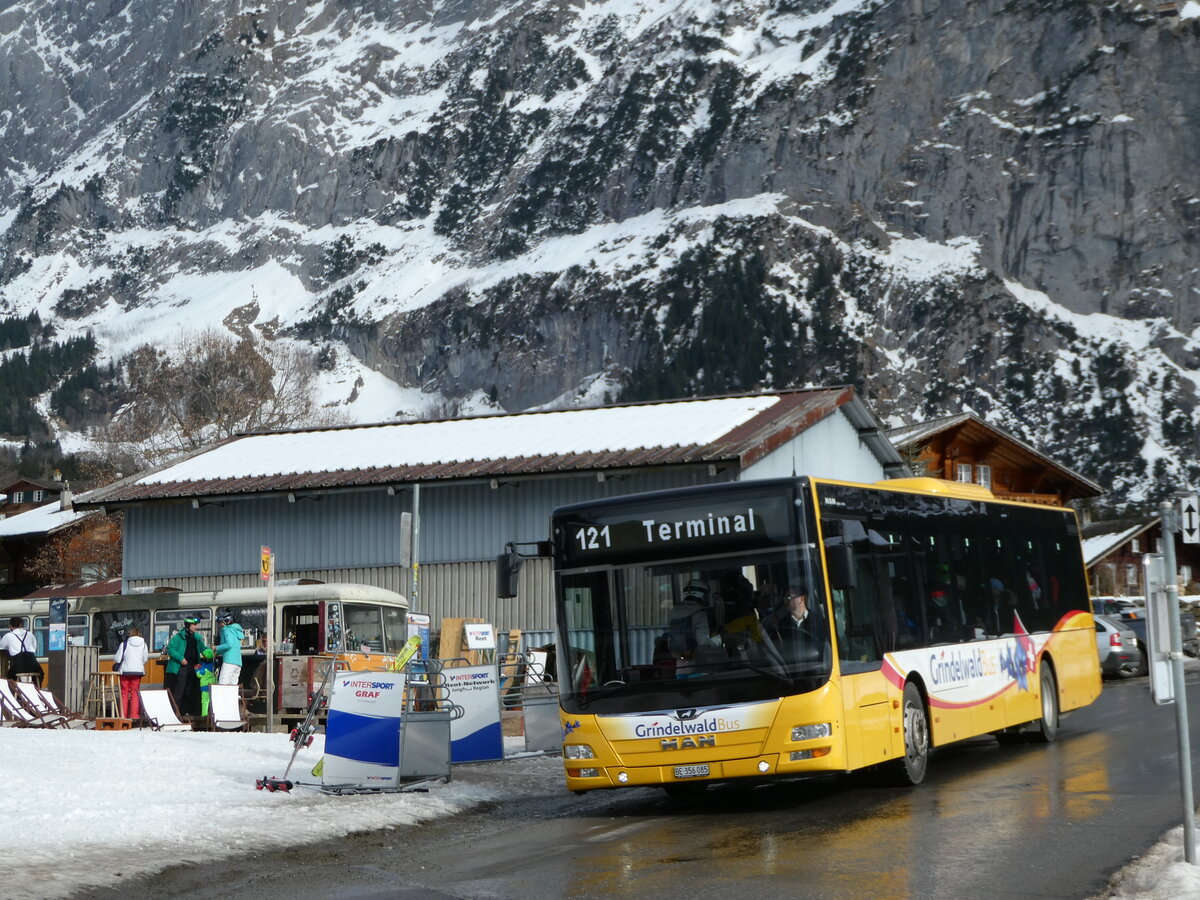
[800,632]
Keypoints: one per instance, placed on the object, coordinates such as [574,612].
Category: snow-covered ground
[86,808]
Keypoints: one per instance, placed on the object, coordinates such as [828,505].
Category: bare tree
[209,386]
[89,549]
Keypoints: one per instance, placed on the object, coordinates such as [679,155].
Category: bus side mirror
[508,565]
[842,573]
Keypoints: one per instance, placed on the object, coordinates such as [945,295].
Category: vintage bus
[366,625]
[787,627]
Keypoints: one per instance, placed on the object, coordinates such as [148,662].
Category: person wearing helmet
[185,653]
[692,630]
[229,648]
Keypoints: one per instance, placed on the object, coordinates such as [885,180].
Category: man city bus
[786,627]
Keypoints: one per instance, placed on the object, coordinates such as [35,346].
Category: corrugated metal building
[329,502]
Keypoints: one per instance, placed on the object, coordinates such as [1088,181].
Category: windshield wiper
[759,670]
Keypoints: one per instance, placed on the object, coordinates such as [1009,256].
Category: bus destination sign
[622,533]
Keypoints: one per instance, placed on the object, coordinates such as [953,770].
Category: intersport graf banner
[477,735]
[362,733]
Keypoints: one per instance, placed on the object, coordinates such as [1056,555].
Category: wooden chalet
[967,449]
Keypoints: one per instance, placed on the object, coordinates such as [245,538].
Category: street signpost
[1189,526]
[1165,599]
[267,572]
[1158,630]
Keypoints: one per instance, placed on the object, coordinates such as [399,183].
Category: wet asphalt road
[992,821]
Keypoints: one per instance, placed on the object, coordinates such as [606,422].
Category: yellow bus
[786,627]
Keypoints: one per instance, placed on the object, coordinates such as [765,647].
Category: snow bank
[85,808]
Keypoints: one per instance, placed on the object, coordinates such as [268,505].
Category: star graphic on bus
[1020,659]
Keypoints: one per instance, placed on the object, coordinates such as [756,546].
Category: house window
[1131,574]
[983,476]
[1185,574]
[37,496]
[1158,545]
[963,473]
[1135,546]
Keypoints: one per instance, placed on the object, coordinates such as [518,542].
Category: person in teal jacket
[230,649]
[185,653]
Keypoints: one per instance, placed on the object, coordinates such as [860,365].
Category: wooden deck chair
[21,715]
[55,704]
[225,708]
[161,712]
[33,699]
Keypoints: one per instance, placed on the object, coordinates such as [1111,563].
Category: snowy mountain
[983,205]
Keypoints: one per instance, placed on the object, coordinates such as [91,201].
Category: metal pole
[272,637]
[415,593]
[1170,526]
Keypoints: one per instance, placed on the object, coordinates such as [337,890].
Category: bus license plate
[691,771]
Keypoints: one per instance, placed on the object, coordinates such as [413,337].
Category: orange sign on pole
[268,561]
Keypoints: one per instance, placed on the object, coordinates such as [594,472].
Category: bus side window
[857,610]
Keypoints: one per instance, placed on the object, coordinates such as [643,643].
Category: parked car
[1135,620]
[1117,644]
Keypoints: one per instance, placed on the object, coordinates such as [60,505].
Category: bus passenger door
[860,632]
[867,715]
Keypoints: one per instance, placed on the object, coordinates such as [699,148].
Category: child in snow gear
[206,673]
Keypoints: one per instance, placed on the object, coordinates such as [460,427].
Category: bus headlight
[584,773]
[578,751]
[809,732]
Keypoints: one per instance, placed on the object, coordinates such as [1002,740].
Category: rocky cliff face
[965,204]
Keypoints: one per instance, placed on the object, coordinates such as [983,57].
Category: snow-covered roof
[1099,546]
[741,429]
[42,520]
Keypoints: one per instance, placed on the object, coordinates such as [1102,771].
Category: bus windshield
[694,628]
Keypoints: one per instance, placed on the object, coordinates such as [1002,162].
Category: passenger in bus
[229,648]
[800,631]
[741,633]
[184,655]
[693,632]
[130,661]
[21,649]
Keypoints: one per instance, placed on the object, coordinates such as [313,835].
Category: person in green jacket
[185,654]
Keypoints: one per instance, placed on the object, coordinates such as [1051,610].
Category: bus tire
[910,769]
[1045,729]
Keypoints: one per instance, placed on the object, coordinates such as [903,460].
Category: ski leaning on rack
[302,735]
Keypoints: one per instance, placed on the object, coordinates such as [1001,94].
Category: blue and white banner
[476,736]
[362,733]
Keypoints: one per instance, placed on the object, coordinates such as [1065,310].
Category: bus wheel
[1046,728]
[910,769]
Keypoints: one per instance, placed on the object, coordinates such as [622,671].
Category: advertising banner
[362,733]
[476,736]
[418,626]
[57,637]
[480,636]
